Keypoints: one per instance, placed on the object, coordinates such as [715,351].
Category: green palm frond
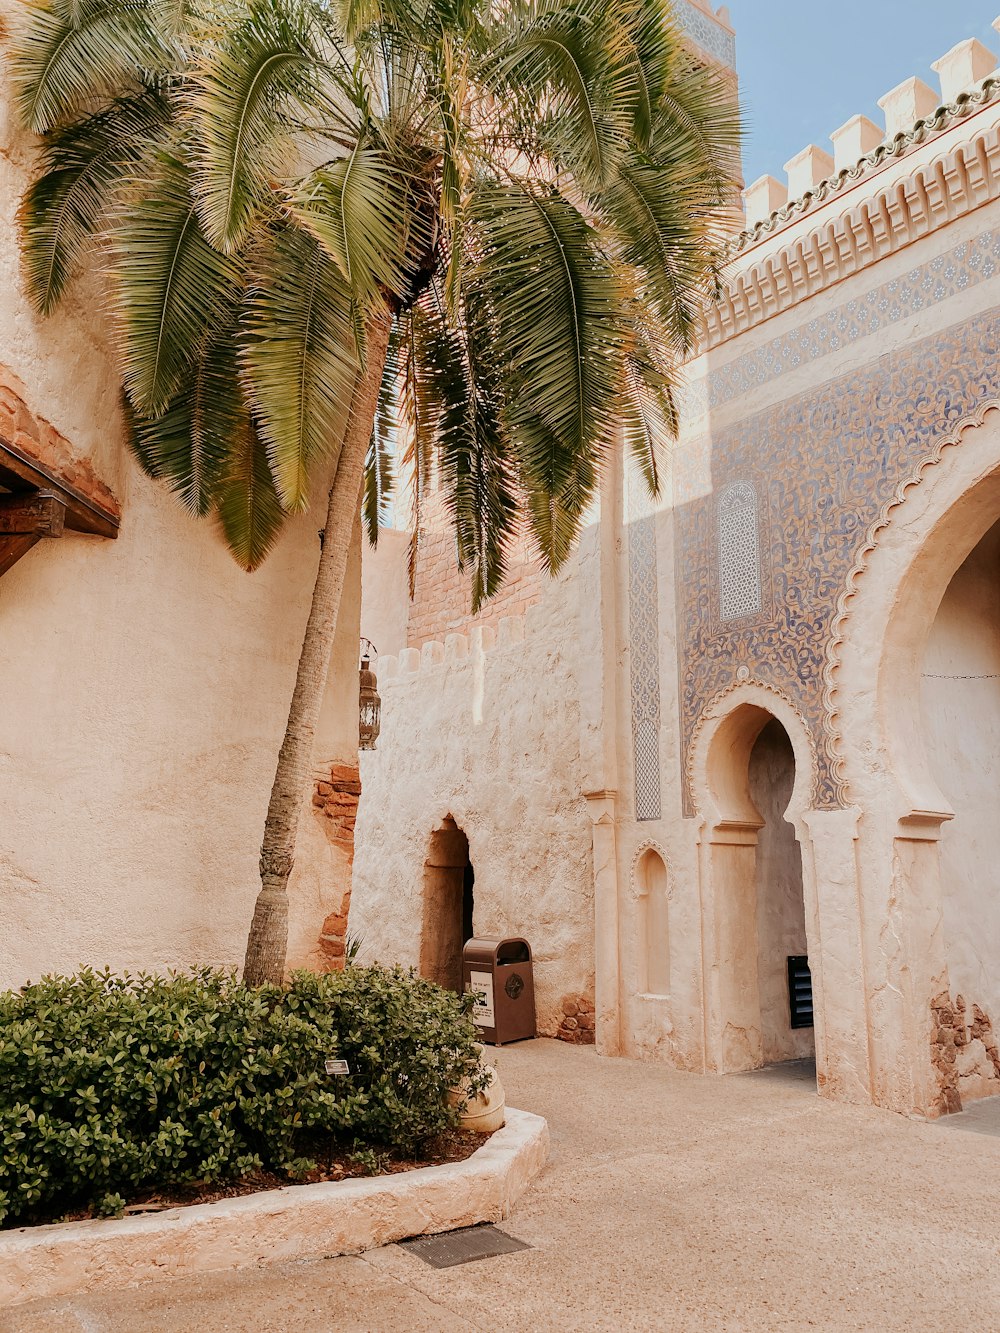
[699,117]
[476,467]
[299,357]
[649,411]
[558,65]
[648,56]
[356,210]
[670,229]
[189,446]
[84,164]
[380,465]
[560,337]
[378,486]
[536,192]
[248,508]
[170,284]
[73,55]
[241,96]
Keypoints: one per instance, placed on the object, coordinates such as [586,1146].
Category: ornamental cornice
[937,192]
[947,115]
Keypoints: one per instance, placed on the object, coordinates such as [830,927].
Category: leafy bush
[112,1085]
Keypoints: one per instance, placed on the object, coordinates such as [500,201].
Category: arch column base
[840,988]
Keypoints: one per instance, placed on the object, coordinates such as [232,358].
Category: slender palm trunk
[268,941]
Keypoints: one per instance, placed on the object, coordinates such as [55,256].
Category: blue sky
[807,66]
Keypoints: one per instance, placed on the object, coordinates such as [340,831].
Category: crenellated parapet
[457,649]
[933,161]
[913,113]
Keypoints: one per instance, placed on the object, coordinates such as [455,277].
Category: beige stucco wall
[144,685]
[487,730]
[385,601]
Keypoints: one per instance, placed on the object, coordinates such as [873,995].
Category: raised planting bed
[296,1222]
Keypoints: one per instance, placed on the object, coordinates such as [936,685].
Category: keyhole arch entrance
[753,778]
[448,904]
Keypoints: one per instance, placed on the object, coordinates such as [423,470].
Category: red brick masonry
[336,801]
[38,441]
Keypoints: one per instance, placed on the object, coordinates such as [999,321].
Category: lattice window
[739,553]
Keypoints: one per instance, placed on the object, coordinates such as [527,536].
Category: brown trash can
[498,973]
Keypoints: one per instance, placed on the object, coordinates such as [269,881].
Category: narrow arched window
[653,886]
[739,552]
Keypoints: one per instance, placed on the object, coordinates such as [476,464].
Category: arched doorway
[784,979]
[754,770]
[448,905]
[909,623]
[960,712]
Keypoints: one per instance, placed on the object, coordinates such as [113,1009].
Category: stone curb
[297,1222]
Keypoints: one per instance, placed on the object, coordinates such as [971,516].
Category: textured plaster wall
[492,738]
[961,709]
[144,685]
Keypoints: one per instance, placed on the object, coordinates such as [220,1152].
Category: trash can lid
[510,949]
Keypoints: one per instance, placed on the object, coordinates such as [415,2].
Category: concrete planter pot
[297,1222]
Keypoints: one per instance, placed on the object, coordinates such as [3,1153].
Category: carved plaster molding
[947,115]
[649,845]
[719,706]
[946,188]
[833,738]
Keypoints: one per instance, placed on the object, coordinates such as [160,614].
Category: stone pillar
[921,974]
[607,963]
[728,862]
[834,928]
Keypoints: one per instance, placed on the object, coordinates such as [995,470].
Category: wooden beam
[12,548]
[41,514]
[18,472]
[25,520]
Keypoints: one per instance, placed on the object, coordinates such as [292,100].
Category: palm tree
[486,226]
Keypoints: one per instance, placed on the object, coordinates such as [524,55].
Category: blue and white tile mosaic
[945,276]
[710,36]
[824,465]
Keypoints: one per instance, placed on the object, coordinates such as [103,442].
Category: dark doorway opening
[449,902]
[468,901]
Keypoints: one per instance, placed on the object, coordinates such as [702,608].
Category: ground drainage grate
[449,1248]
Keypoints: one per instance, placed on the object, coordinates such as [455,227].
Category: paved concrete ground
[670,1202]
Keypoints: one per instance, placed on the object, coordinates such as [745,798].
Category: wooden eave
[35,503]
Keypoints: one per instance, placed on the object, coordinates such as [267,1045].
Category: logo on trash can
[514,986]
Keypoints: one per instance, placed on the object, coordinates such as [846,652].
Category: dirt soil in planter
[455,1145]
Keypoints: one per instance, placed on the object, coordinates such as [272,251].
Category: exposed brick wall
[38,441]
[336,801]
[442,597]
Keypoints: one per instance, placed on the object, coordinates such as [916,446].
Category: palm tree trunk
[268,941]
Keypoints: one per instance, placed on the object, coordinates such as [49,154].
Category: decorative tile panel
[945,276]
[713,39]
[644,644]
[739,553]
[833,459]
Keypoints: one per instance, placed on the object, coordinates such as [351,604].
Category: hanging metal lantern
[370,703]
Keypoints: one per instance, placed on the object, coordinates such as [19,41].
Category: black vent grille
[800,993]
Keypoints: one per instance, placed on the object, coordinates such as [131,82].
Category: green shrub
[112,1085]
